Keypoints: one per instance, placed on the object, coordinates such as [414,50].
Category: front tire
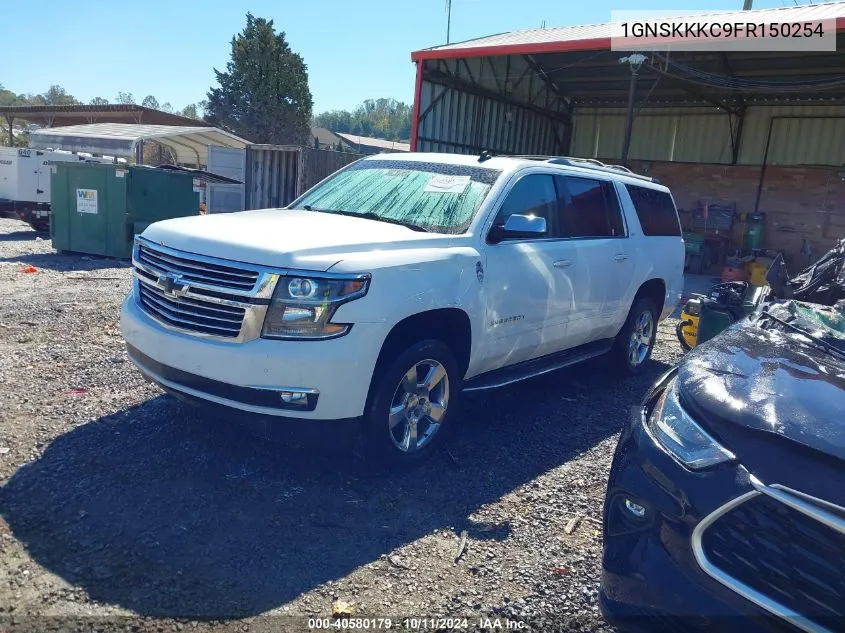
[412,406]
[635,341]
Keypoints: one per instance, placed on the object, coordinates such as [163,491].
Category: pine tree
[263,95]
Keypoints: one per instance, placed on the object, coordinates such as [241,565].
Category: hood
[283,238]
[774,399]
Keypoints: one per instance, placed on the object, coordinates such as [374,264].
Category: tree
[335,120]
[20,139]
[263,95]
[56,95]
[9,98]
[31,99]
[150,102]
[381,118]
[190,111]
[125,97]
[166,107]
[99,101]
[157,154]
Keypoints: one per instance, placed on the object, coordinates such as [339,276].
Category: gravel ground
[124,509]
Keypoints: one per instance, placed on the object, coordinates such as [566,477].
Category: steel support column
[736,137]
[629,118]
[415,117]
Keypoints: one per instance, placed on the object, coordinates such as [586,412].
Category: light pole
[448,18]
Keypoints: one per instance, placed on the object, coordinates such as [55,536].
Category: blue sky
[355,49]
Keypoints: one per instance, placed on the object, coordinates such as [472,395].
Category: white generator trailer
[25,181]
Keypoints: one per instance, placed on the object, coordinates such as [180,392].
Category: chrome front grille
[782,550]
[197,270]
[191,314]
[201,295]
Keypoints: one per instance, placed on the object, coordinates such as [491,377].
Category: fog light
[291,397]
[635,508]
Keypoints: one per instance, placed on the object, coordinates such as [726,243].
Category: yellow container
[690,315]
[758,275]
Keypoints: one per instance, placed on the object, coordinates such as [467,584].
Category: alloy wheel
[418,406]
[640,341]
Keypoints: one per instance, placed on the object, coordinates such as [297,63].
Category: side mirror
[516,226]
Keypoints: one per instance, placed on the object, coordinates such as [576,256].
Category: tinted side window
[655,210]
[614,210]
[588,208]
[532,195]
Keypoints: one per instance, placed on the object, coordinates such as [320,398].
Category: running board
[537,366]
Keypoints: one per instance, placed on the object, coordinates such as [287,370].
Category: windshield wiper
[820,342]
[369,215]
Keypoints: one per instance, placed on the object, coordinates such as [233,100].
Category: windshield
[823,325]
[436,197]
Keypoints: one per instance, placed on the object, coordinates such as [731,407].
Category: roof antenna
[485,156]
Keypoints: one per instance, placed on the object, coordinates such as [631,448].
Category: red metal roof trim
[534,48]
[596,44]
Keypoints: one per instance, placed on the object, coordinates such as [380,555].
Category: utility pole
[449,18]
[634,60]
[747,5]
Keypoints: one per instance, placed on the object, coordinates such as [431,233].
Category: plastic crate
[693,242]
[713,217]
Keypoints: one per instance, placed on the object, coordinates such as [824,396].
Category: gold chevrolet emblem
[171,284]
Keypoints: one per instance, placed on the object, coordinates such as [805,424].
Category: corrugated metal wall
[277,174]
[472,120]
[807,141]
[703,135]
[501,104]
[272,173]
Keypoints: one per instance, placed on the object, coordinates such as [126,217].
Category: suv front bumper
[320,380]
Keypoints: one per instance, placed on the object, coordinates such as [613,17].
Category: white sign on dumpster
[86,201]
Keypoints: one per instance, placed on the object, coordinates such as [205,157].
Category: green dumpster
[98,209]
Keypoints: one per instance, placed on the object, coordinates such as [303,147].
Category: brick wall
[799,202]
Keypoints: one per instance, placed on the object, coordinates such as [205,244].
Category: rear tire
[412,406]
[635,341]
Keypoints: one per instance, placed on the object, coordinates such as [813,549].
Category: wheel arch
[452,326]
[654,289]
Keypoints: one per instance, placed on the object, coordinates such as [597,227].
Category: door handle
[621,257]
[563,263]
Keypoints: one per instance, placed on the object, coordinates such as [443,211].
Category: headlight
[681,436]
[302,307]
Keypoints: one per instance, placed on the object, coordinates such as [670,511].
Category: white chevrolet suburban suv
[401,281]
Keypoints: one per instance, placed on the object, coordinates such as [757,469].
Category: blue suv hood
[774,397]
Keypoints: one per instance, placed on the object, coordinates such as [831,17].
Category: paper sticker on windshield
[447,184]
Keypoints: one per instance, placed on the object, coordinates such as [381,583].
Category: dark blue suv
[725,508]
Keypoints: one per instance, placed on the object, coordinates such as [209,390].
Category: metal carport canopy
[189,144]
[543,77]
